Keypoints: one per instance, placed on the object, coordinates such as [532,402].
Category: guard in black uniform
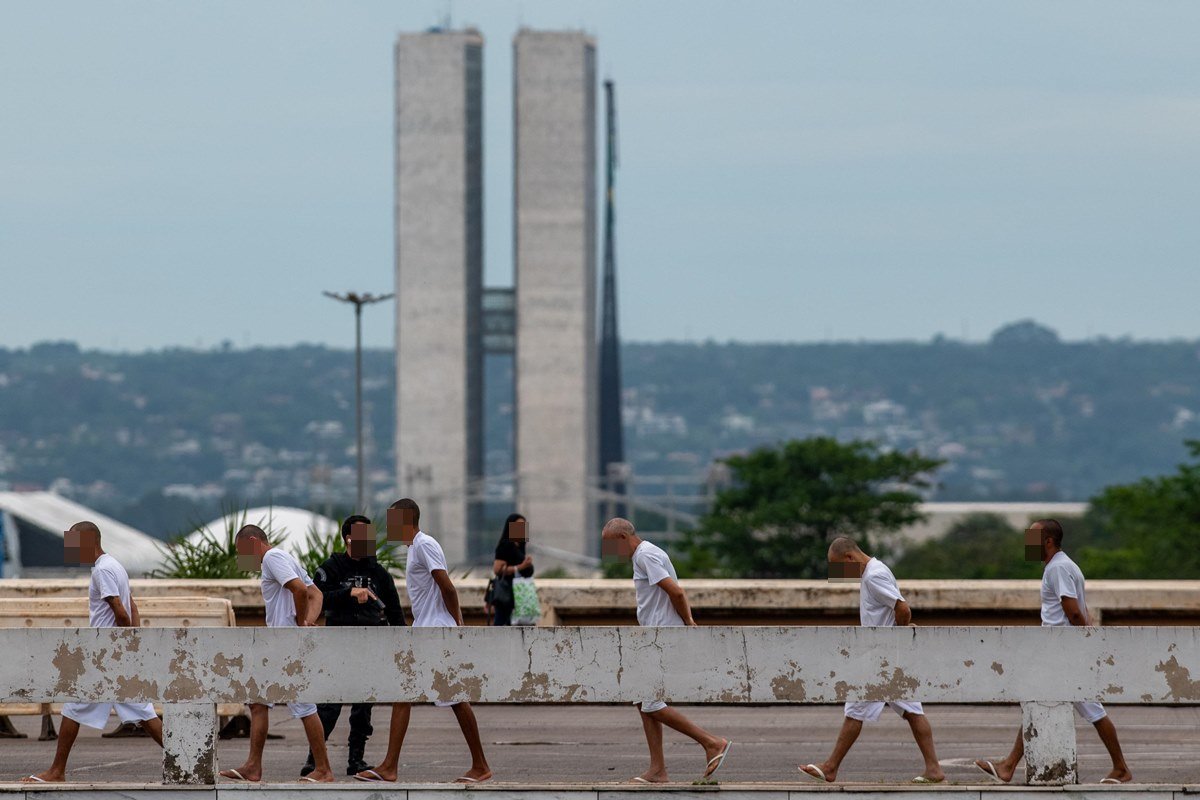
[358,591]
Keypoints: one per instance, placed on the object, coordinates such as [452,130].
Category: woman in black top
[510,560]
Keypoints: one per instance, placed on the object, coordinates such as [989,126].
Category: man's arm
[1074,613]
[335,596]
[678,599]
[903,613]
[449,593]
[123,618]
[307,600]
[135,615]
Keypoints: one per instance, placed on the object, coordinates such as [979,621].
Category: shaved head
[841,547]
[88,528]
[252,532]
[618,526]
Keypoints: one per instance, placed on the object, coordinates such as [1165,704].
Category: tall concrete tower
[439,278]
[554,95]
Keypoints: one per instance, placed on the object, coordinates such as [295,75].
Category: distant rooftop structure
[31,536]
[285,524]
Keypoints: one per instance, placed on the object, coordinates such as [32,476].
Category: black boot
[309,765]
[354,761]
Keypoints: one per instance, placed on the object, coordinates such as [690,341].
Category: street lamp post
[359,300]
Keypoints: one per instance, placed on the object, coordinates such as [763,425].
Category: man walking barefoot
[880,604]
[110,605]
[1063,603]
[661,602]
[292,601]
[434,602]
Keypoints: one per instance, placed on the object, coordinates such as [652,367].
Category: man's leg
[316,745]
[1008,766]
[923,733]
[846,738]
[360,732]
[654,741]
[388,768]
[479,771]
[713,745]
[260,723]
[329,714]
[153,726]
[1108,735]
[68,729]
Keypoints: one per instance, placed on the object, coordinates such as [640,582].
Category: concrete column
[189,743]
[1049,733]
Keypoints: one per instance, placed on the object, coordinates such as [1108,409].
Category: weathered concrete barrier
[1042,668]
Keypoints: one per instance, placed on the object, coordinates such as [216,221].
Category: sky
[189,173]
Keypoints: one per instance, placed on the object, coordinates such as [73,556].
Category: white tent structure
[287,525]
[31,536]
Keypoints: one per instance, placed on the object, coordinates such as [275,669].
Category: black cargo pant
[360,723]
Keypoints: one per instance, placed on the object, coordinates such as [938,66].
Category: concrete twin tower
[446,321]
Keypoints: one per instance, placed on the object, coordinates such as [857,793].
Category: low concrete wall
[195,668]
[735,602]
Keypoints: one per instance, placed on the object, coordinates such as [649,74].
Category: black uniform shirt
[336,577]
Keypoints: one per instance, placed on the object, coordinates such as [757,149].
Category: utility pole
[359,300]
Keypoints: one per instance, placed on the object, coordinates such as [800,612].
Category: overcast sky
[183,173]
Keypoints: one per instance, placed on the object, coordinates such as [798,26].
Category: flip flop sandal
[375,777]
[234,775]
[990,771]
[711,769]
[923,779]
[820,776]
[469,779]
[1110,780]
[34,779]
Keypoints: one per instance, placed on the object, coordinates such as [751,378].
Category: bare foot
[243,773]
[1004,770]
[377,774]
[830,772]
[318,776]
[711,752]
[49,776]
[652,776]
[1119,775]
[475,775]
[936,775]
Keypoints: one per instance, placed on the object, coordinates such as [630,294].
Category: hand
[362,595]
[691,623]
[912,624]
[303,623]
[528,562]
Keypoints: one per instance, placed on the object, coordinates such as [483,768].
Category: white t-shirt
[279,567]
[428,608]
[650,565]
[1061,578]
[878,595]
[109,579]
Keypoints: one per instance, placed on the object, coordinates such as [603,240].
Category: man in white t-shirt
[434,602]
[880,604]
[661,602]
[1063,603]
[110,605]
[292,601]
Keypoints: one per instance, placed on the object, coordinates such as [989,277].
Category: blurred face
[1035,543]
[401,525]
[80,548]
[517,530]
[616,545]
[249,553]
[845,568]
[361,542]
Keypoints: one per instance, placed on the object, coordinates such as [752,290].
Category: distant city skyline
[183,174]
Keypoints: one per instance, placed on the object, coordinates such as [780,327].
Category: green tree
[1147,529]
[981,546]
[787,503]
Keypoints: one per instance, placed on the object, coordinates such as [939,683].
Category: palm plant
[211,556]
[319,546]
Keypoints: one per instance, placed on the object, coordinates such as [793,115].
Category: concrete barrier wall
[192,669]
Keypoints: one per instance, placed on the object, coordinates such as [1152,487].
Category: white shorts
[869,712]
[299,710]
[650,706]
[1092,712]
[95,715]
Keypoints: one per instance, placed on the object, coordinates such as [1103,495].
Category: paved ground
[584,744]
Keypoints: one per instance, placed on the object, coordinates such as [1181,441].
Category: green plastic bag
[526,608]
